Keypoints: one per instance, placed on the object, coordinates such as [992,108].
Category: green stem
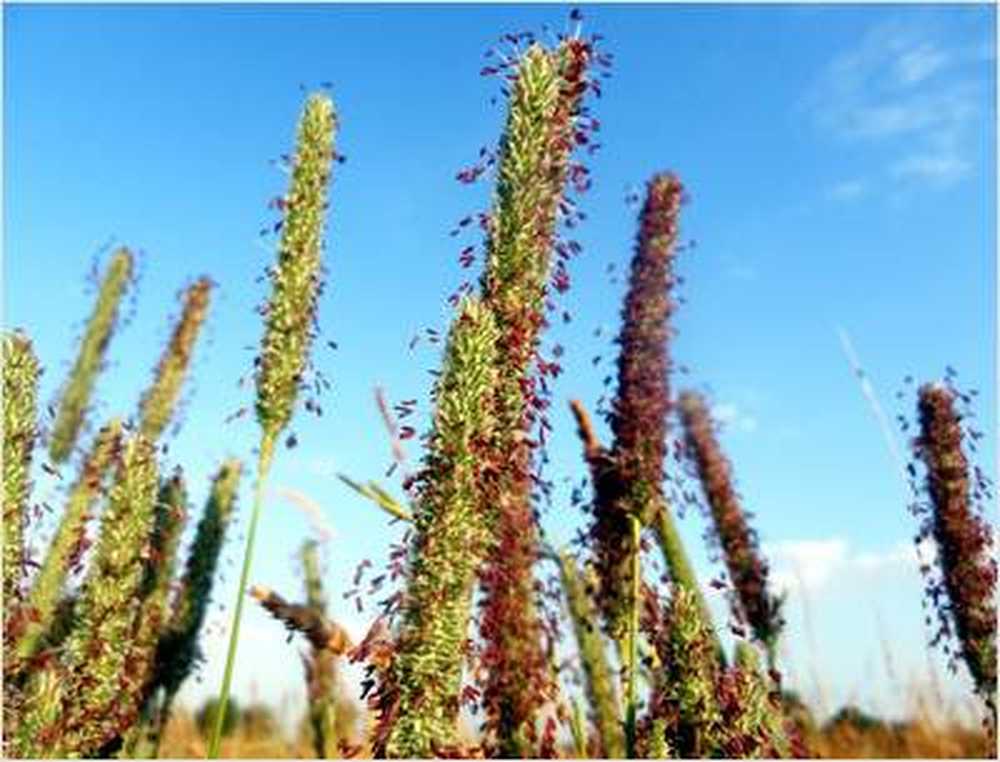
[633,644]
[681,571]
[263,468]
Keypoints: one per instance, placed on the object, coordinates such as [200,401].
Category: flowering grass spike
[289,329]
[90,360]
[965,593]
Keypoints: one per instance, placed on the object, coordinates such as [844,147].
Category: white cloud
[899,87]
[731,415]
[811,565]
[942,169]
[917,64]
[848,190]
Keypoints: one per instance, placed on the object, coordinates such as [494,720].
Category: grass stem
[632,706]
[263,468]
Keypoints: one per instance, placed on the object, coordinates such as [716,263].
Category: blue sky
[840,163]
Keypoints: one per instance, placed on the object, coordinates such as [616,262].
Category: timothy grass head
[748,570]
[20,389]
[76,392]
[964,590]
[158,403]
[296,278]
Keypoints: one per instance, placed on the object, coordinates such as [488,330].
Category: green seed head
[171,513]
[296,278]
[99,651]
[20,389]
[450,542]
[69,542]
[692,673]
[76,393]
[178,650]
[158,403]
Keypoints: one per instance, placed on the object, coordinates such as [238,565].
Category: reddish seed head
[964,591]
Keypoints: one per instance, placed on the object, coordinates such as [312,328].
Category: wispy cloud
[813,565]
[731,415]
[903,89]
[917,64]
[941,169]
[847,190]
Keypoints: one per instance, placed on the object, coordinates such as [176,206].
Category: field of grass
[103,629]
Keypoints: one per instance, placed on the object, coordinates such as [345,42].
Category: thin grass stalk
[289,328]
[965,591]
[538,139]
[632,666]
[177,651]
[598,675]
[578,730]
[450,543]
[79,386]
[321,674]
[681,571]
[69,542]
[158,403]
[20,398]
[263,468]
[747,568]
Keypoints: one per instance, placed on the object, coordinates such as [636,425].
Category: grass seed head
[69,543]
[747,569]
[451,539]
[178,648]
[536,146]
[965,593]
[77,391]
[687,693]
[297,277]
[99,652]
[158,403]
[20,391]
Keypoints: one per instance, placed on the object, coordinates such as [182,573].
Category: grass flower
[296,279]
[751,713]
[965,590]
[450,540]
[177,650]
[289,317]
[545,96]
[20,390]
[77,391]
[157,405]
[685,692]
[91,701]
[69,542]
[321,664]
[747,569]
[171,514]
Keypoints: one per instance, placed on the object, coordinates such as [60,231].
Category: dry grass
[923,737]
